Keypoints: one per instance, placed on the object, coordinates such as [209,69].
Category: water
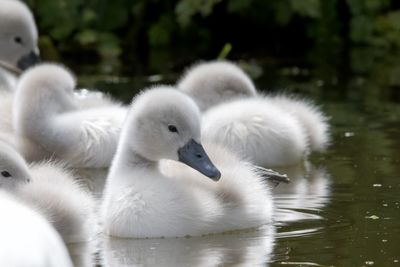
[342,207]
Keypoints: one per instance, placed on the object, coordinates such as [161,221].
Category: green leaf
[225,51]
[108,45]
[160,32]
[86,37]
[88,17]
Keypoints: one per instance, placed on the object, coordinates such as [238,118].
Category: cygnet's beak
[28,60]
[193,155]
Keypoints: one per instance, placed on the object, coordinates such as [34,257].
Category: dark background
[158,36]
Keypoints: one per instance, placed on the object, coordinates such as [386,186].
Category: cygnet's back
[262,132]
[314,121]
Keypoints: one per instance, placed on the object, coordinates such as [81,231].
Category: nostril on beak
[199,156]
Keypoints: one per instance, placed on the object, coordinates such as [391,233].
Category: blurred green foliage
[131,30]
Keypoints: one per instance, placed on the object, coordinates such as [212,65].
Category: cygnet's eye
[172,128]
[6,174]
[18,40]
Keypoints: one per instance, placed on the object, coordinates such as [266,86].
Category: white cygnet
[149,193]
[47,113]
[270,130]
[52,191]
[27,239]
[18,41]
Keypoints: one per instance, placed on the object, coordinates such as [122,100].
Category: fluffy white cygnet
[27,239]
[270,130]
[147,196]
[47,113]
[18,41]
[214,82]
[52,191]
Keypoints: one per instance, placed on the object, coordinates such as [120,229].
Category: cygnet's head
[42,91]
[13,168]
[18,36]
[46,81]
[165,124]
[214,82]
[48,77]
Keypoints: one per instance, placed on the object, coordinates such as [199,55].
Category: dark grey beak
[193,155]
[28,60]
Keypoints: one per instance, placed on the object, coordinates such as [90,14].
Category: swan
[18,41]
[150,194]
[46,113]
[270,130]
[27,239]
[211,83]
[51,190]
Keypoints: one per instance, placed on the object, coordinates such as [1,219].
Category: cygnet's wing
[91,136]
[271,176]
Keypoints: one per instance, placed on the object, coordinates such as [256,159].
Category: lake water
[342,207]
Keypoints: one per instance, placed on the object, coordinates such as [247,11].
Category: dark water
[342,207]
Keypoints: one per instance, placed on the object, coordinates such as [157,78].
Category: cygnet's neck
[7,79]
[128,158]
[138,161]
[10,69]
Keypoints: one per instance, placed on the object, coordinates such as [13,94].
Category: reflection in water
[308,190]
[250,248]
[82,254]
[298,206]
